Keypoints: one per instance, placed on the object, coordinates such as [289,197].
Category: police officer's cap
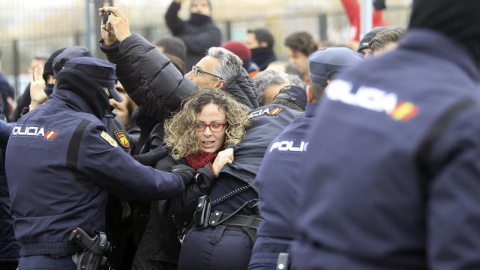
[294,94]
[324,63]
[102,72]
[69,53]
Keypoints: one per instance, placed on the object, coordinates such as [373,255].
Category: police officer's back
[61,163]
[278,177]
[392,178]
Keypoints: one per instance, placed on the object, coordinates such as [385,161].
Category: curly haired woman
[197,136]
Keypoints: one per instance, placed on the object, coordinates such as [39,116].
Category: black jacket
[155,84]
[148,76]
[160,247]
[242,89]
[197,38]
[159,243]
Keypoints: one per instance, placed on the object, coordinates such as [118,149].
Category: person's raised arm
[174,23]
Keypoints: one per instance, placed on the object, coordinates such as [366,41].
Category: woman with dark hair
[197,136]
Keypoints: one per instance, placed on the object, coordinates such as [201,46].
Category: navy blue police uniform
[391,175]
[278,188]
[9,247]
[61,164]
[278,177]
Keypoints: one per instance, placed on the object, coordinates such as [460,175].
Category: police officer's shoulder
[272,111]
[94,127]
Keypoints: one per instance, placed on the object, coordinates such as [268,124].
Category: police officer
[61,162]
[277,179]
[391,175]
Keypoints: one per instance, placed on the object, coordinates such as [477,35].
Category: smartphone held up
[105,17]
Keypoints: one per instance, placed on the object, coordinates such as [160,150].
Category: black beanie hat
[368,37]
[48,68]
[458,20]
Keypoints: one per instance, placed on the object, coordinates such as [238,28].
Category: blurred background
[30,28]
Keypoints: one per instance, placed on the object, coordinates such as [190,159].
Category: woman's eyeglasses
[214,127]
[197,70]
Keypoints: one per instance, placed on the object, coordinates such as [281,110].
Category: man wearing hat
[277,179]
[363,46]
[390,179]
[61,164]
[241,50]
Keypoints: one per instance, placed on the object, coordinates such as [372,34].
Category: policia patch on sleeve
[109,139]
[122,138]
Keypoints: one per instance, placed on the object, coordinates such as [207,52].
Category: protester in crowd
[277,179]
[243,52]
[268,83]
[83,163]
[392,175]
[20,106]
[158,87]
[293,72]
[227,241]
[173,46]
[260,41]
[199,33]
[386,40]
[197,136]
[299,46]
[364,45]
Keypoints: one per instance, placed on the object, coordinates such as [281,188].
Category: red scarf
[200,159]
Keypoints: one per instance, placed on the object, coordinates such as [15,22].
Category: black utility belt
[219,218]
[204,218]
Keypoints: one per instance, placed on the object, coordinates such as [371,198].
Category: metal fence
[70,27]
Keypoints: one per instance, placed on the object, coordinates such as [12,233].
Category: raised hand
[37,86]
[117,25]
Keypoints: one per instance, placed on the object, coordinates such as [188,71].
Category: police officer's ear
[309,94]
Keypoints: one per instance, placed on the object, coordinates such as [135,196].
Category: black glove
[187,173]
[151,158]
[379,4]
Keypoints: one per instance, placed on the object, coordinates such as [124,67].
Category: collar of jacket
[437,44]
[73,101]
